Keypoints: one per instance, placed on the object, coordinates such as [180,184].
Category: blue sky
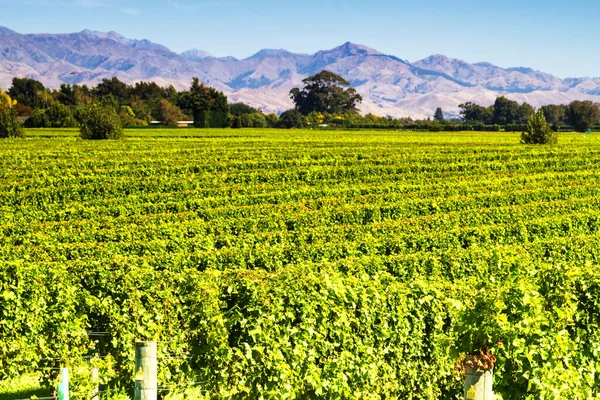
[559,37]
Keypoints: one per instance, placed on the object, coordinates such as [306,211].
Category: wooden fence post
[146,384]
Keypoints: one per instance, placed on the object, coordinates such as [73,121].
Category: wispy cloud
[134,12]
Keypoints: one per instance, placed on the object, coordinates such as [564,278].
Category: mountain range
[389,85]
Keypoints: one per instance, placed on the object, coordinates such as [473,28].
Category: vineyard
[298,264]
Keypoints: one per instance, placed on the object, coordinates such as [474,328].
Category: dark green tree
[526,111]
[236,123]
[555,114]
[291,119]
[241,108]
[473,113]
[324,93]
[112,90]
[583,115]
[208,106]
[506,111]
[538,130]
[272,120]
[98,122]
[59,116]
[28,92]
[439,115]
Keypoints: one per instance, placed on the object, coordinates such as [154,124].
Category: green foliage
[583,115]
[98,122]
[169,113]
[335,265]
[241,108]
[539,131]
[208,106]
[323,92]
[272,120]
[291,119]
[236,122]
[439,115]
[10,126]
[474,113]
[28,92]
[128,117]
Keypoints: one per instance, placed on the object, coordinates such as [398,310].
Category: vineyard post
[146,383]
[478,384]
[63,386]
[96,388]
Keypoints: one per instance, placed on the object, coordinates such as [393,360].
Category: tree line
[325,101]
[579,115]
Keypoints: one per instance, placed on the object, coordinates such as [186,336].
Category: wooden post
[146,384]
[478,385]
[96,389]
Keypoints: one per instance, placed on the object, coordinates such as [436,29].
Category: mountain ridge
[389,85]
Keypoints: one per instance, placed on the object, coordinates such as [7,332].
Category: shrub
[10,126]
[291,119]
[98,122]
[538,131]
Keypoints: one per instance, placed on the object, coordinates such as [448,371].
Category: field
[302,264]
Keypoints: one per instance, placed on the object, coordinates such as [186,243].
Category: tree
[169,114]
[439,115]
[236,122]
[526,111]
[241,108]
[208,106]
[538,130]
[474,113]
[27,92]
[555,114]
[111,90]
[60,116]
[55,116]
[323,93]
[10,126]
[506,111]
[583,115]
[272,120]
[97,122]
[291,119]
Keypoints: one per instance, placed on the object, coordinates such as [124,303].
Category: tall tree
[583,115]
[554,114]
[208,106]
[324,93]
[506,111]
[439,115]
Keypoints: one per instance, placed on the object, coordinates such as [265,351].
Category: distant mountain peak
[195,54]
[353,49]
[272,53]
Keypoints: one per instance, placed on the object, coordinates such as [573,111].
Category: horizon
[537,37]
